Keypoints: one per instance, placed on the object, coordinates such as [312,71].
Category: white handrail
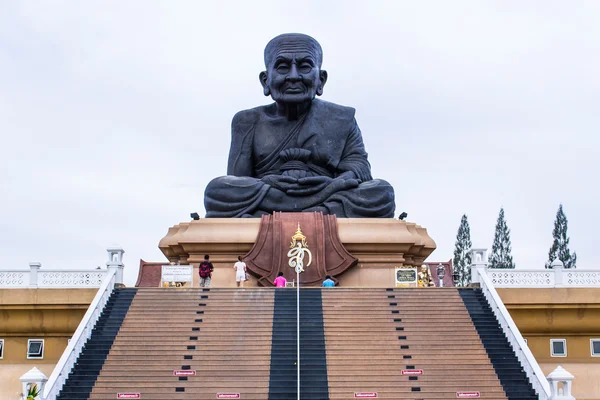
[528,362]
[82,334]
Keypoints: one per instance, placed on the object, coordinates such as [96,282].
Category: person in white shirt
[240,272]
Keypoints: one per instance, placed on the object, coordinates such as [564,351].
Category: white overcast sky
[114,115]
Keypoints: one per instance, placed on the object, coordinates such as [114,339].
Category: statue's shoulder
[247,117]
[332,110]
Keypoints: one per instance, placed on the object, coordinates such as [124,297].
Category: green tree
[462,258]
[560,246]
[501,256]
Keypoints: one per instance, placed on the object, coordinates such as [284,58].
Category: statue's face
[293,76]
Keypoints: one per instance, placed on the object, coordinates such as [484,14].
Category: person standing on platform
[240,271]
[280,281]
[328,282]
[205,270]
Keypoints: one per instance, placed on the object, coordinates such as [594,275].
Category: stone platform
[380,244]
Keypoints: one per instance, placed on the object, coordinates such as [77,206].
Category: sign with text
[184,372]
[129,396]
[228,396]
[412,372]
[365,395]
[467,395]
[177,273]
[406,277]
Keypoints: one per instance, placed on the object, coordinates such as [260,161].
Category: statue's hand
[315,184]
[281,182]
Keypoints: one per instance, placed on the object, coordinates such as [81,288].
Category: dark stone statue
[299,153]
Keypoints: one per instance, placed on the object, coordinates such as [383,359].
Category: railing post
[560,384]
[558,267]
[34,268]
[478,260]
[33,377]
[115,262]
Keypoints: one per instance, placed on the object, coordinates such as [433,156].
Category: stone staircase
[202,343]
[92,358]
[375,335]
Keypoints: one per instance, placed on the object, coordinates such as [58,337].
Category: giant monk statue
[299,153]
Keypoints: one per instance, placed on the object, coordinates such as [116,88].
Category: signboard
[406,277]
[467,395]
[129,396]
[228,396]
[365,395]
[177,273]
[184,372]
[412,372]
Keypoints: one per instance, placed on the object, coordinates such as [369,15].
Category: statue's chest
[272,137]
[269,137]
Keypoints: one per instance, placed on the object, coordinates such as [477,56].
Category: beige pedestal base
[380,245]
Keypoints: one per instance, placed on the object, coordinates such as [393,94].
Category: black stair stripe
[506,364]
[313,359]
[81,380]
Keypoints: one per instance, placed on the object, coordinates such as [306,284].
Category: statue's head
[293,69]
[424,268]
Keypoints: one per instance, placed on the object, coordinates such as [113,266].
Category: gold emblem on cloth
[298,249]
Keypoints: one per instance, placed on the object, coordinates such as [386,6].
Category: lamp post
[455,277]
[441,273]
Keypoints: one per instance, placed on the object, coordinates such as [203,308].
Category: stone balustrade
[38,277]
[544,278]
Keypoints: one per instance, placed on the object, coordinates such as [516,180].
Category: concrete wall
[560,313]
[49,314]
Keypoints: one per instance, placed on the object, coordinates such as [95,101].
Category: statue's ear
[323,80]
[263,81]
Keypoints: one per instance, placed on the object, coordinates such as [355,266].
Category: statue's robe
[326,141]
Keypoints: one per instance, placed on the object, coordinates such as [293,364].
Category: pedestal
[379,244]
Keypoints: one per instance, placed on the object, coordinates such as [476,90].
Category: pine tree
[462,258]
[560,246]
[501,249]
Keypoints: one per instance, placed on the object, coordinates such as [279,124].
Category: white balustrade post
[33,377]
[115,262]
[560,384]
[441,273]
[34,268]
[558,267]
[478,260]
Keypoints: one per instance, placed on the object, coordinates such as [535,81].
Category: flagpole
[298,325]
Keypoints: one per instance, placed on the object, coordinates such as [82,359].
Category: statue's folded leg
[233,196]
[236,197]
[369,200]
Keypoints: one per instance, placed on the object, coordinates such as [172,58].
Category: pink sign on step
[184,372]
[365,395]
[412,372]
[468,395]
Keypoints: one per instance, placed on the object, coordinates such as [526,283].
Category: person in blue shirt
[328,282]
